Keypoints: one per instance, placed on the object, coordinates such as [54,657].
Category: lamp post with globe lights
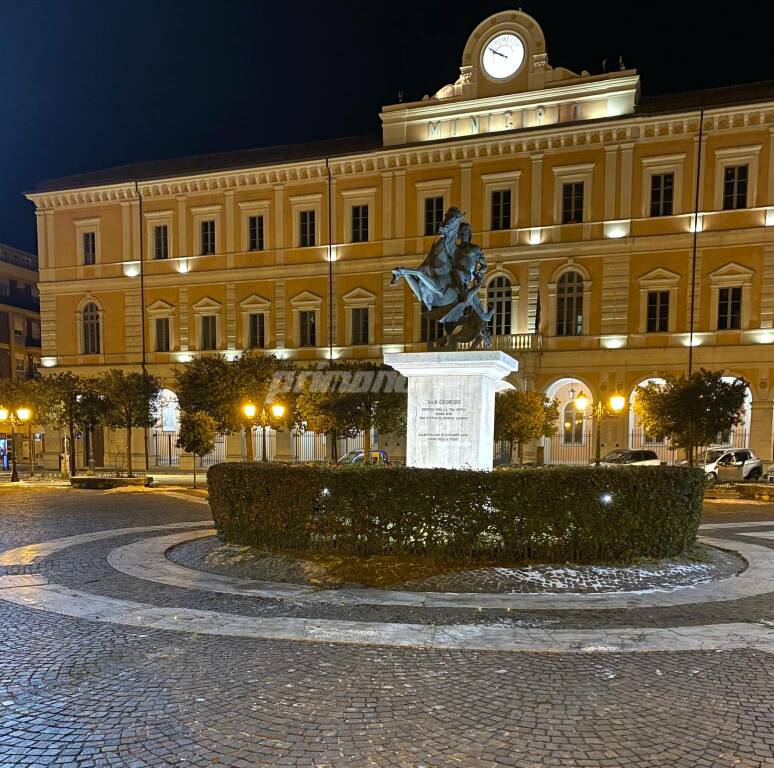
[250,410]
[599,410]
[16,418]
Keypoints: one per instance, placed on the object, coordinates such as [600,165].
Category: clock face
[502,56]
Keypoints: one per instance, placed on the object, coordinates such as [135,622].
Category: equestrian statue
[447,284]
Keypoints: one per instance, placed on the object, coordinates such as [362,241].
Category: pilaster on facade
[536,192]
[387,233]
[279,313]
[279,222]
[48,324]
[230,228]
[767,288]
[136,231]
[533,298]
[40,225]
[231,318]
[126,231]
[627,164]
[400,210]
[182,227]
[696,294]
[182,304]
[769,197]
[611,160]
[133,322]
[615,296]
[465,184]
[392,311]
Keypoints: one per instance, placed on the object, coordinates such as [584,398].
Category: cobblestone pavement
[213,556]
[83,693]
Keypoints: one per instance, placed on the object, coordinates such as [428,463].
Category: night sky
[91,84]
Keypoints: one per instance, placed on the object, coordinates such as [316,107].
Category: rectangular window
[360,325]
[501,209]
[21,366]
[359,223]
[209,332]
[735,187]
[430,329]
[162,334]
[208,237]
[658,311]
[662,186]
[729,309]
[306,235]
[257,338]
[433,214]
[572,202]
[308,330]
[160,241]
[89,248]
[255,233]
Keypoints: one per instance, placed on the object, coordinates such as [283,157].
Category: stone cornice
[521,143]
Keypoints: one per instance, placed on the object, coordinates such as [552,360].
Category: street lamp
[250,410]
[615,404]
[21,415]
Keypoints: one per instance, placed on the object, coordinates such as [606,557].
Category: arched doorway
[572,443]
[163,437]
[638,436]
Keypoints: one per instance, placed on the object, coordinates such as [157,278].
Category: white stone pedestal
[451,396]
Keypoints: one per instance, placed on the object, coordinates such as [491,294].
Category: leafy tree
[197,435]
[130,402]
[221,387]
[59,401]
[356,397]
[691,411]
[522,415]
[21,393]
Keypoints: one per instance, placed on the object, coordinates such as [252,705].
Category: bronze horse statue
[447,284]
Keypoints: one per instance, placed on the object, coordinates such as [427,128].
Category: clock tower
[507,84]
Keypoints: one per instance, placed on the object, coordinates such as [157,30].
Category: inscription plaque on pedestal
[451,395]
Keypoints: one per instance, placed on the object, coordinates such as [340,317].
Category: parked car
[631,457]
[729,464]
[358,456]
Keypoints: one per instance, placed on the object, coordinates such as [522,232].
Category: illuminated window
[572,202]
[255,233]
[306,236]
[433,214]
[735,187]
[569,304]
[662,186]
[572,428]
[91,341]
[499,295]
[501,209]
[359,223]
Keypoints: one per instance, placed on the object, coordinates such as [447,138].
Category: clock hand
[497,53]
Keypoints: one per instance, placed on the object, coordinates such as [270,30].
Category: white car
[731,464]
[631,458]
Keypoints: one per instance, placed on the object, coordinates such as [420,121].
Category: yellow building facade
[622,234]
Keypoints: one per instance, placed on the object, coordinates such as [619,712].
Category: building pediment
[731,272]
[306,299]
[207,304]
[160,307]
[661,276]
[359,295]
[255,302]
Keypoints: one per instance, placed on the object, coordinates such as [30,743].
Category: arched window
[569,304]
[498,297]
[91,329]
[572,425]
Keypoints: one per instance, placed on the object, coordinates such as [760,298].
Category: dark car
[631,457]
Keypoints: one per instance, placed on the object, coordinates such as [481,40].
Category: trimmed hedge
[548,514]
